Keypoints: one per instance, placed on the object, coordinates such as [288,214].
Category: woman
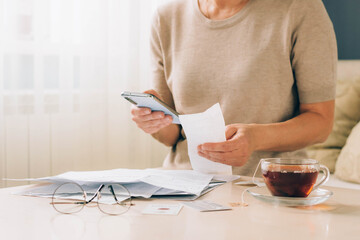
[271,64]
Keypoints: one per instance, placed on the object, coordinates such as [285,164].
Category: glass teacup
[292,177]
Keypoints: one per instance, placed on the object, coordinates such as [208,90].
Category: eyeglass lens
[69,198]
[114,199]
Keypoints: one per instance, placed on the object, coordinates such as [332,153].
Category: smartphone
[150,101]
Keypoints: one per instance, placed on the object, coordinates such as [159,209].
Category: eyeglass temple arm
[96,193]
[113,193]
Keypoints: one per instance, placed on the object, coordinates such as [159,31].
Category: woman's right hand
[150,122]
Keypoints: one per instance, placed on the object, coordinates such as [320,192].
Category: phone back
[154,105]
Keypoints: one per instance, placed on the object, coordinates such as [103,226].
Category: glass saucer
[315,197]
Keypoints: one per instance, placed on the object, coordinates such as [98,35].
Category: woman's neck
[221,9]
[226,4]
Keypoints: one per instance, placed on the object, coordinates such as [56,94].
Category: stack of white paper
[187,184]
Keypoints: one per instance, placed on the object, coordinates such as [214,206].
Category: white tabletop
[34,218]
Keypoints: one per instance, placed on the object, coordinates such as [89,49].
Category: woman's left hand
[235,151]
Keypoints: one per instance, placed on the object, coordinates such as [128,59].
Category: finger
[155,123]
[221,156]
[136,111]
[152,119]
[153,130]
[236,158]
[149,117]
[209,156]
[153,92]
[212,158]
[227,146]
[230,131]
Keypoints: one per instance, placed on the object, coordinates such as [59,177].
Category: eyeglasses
[113,199]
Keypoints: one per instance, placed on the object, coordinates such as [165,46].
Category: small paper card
[205,206]
[162,209]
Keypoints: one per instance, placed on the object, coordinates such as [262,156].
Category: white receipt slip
[200,128]
[206,206]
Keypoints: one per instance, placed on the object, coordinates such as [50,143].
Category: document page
[120,175]
[181,180]
[140,183]
[200,128]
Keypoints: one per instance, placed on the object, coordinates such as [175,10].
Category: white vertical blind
[63,65]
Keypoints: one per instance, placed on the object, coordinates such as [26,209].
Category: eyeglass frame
[91,199]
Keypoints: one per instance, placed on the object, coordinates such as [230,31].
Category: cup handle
[325,178]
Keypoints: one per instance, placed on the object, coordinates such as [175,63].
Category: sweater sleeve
[314,51]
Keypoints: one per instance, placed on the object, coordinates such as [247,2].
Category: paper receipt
[205,206]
